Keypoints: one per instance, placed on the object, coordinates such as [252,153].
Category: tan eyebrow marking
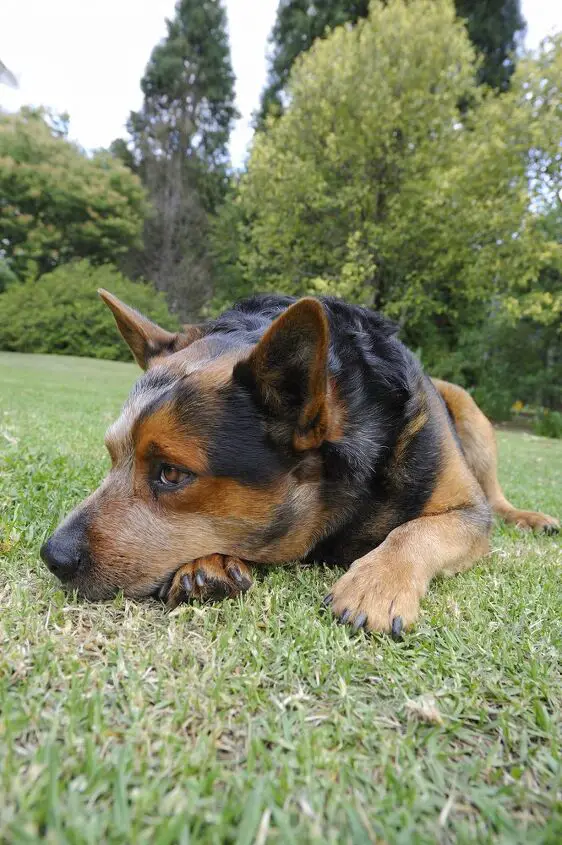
[160,431]
[119,435]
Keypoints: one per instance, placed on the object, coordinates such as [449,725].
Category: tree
[372,186]
[179,148]
[494,27]
[298,24]
[56,203]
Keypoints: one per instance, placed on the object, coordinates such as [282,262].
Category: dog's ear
[287,373]
[145,339]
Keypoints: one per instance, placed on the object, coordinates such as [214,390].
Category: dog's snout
[66,550]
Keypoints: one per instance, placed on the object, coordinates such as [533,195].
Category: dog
[286,430]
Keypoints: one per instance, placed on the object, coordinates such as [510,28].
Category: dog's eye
[170,476]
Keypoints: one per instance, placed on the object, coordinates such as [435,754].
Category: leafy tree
[56,203]
[494,27]
[372,187]
[62,314]
[297,25]
[7,276]
[179,149]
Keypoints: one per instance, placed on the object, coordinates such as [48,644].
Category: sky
[87,58]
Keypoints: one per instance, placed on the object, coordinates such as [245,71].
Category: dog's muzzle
[66,551]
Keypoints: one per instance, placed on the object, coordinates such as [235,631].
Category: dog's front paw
[376,599]
[208,579]
[535,521]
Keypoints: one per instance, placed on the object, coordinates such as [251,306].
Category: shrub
[7,277]
[548,424]
[502,363]
[62,314]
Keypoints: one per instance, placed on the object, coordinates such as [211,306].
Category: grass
[260,720]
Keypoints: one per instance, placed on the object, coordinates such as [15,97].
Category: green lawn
[260,720]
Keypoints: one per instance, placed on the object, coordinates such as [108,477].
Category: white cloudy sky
[87,58]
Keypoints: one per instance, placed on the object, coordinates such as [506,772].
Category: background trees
[56,203]
[494,27]
[401,160]
[178,147]
[374,185]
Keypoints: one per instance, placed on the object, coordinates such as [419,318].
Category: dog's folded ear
[287,373]
[145,339]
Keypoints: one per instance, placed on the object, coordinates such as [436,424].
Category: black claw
[345,616]
[187,584]
[244,583]
[550,530]
[359,621]
[397,627]
[200,578]
[165,588]
[217,589]
[327,601]
[240,577]
[234,572]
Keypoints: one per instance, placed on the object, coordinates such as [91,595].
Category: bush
[7,277]
[548,424]
[62,314]
[503,363]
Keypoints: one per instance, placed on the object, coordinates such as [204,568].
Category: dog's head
[217,450]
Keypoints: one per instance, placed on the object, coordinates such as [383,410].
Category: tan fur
[456,486]
[217,573]
[144,337]
[452,532]
[478,440]
[389,581]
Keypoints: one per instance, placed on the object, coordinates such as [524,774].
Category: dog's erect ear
[145,339]
[287,372]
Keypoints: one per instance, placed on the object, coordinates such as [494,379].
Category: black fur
[381,385]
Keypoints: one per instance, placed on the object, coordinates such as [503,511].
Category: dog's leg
[381,591]
[208,579]
[478,440]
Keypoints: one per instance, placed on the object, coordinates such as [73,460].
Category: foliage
[56,203]
[229,229]
[297,25]
[494,27]
[179,149]
[372,187]
[7,276]
[548,424]
[61,313]
[503,362]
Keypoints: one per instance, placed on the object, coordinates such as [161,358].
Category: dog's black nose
[66,550]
